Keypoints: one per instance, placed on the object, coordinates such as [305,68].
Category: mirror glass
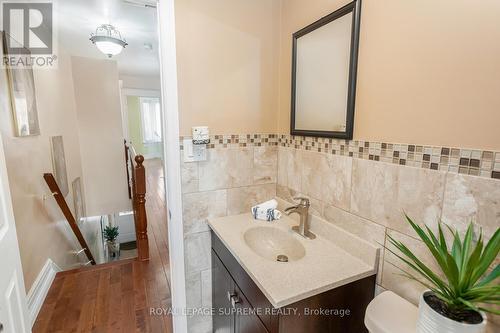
[324,77]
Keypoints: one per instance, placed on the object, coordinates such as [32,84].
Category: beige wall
[42,231]
[101,135]
[428,71]
[227,54]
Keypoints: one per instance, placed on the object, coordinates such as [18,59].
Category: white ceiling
[76,19]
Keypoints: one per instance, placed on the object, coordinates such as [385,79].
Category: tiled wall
[367,198]
[473,162]
[361,186]
[235,177]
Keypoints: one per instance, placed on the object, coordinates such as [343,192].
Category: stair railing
[138,188]
[63,205]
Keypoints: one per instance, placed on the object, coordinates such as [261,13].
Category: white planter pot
[113,250]
[430,321]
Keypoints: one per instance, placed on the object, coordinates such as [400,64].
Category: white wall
[42,230]
[97,96]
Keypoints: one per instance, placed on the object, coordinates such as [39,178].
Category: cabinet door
[245,320]
[222,289]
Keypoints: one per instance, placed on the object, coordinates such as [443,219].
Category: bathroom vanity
[325,286]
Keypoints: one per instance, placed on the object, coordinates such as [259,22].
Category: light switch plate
[194,153]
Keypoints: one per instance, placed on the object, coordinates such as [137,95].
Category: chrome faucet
[303,210]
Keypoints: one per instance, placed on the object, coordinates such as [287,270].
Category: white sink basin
[271,243]
[333,259]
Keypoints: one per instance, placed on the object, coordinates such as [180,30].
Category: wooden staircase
[117,296]
[136,182]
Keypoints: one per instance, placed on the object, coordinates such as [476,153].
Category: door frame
[172,162]
[8,234]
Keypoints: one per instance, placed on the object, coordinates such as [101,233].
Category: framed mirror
[324,66]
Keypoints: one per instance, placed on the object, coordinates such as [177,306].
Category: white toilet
[389,313]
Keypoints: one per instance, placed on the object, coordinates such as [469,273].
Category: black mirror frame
[354,8]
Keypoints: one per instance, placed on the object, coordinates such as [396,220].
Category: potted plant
[110,235]
[464,290]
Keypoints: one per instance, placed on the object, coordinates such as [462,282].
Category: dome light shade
[108,40]
[110,48]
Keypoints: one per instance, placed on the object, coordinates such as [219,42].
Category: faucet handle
[303,201]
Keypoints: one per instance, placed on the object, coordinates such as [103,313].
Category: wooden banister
[54,188]
[139,200]
[138,188]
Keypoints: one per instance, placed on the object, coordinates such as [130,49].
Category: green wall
[135,129]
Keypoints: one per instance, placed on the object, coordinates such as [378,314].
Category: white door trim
[172,163]
[14,315]
[40,288]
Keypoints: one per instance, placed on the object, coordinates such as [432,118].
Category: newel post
[141,222]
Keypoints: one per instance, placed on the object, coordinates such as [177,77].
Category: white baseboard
[40,288]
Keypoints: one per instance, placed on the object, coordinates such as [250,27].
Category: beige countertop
[333,259]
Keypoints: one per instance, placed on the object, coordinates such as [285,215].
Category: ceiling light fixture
[108,40]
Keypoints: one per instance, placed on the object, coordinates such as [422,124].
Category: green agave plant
[467,285]
[111,233]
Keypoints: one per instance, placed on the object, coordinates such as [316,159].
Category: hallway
[117,297]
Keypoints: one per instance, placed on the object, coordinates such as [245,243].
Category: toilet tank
[389,313]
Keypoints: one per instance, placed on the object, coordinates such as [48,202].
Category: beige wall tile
[381,192]
[189,177]
[368,230]
[206,288]
[193,290]
[213,173]
[288,194]
[404,287]
[312,179]
[294,169]
[365,229]
[236,169]
[373,190]
[265,164]
[336,180]
[283,154]
[197,252]
[285,193]
[200,324]
[198,207]
[420,195]
[469,198]
[391,276]
[240,167]
[226,168]
[241,199]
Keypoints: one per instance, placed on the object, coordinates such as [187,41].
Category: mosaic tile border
[463,161]
[473,162]
[238,140]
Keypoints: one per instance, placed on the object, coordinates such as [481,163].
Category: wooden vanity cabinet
[240,307]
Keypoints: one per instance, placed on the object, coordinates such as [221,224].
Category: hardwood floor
[118,296]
